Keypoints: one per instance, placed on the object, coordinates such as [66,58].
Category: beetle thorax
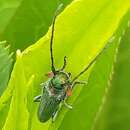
[60,80]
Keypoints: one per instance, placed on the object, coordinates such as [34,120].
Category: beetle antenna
[91,63]
[52,37]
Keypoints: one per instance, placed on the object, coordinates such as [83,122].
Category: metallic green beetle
[59,86]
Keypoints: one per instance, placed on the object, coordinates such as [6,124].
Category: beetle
[59,86]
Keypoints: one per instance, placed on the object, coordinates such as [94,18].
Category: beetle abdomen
[48,106]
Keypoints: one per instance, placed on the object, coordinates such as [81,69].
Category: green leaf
[18,104]
[5,65]
[5,70]
[81,32]
[89,103]
[23,22]
[115,115]
[7,11]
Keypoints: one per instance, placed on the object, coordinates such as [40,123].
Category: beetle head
[60,80]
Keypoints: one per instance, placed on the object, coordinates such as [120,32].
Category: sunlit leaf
[115,114]
[80,33]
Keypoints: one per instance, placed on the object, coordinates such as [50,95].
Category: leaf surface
[115,114]
[80,34]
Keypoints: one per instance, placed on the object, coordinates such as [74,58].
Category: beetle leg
[55,115]
[79,82]
[67,105]
[42,85]
[65,63]
[37,98]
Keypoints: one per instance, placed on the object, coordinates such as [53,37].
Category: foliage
[5,65]
[118,99]
[23,22]
[82,29]
[5,70]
